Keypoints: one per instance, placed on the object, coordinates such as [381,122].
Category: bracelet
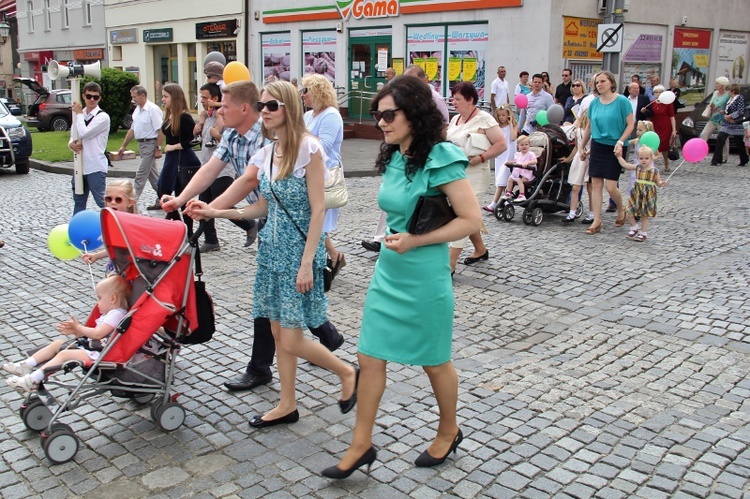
[481,156]
[620,143]
[241,212]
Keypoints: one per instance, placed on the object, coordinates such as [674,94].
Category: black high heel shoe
[471,261]
[367,458]
[425,460]
[348,404]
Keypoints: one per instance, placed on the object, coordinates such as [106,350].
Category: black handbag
[673,154]
[430,213]
[187,166]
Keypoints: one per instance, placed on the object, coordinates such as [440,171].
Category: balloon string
[91,273]
[675,170]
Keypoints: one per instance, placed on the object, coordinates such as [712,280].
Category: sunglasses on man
[92,96]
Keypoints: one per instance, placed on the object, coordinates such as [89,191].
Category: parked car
[52,109]
[13,106]
[693,125]
[15,142]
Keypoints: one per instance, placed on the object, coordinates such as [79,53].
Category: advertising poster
[579,39]
[690,57]
[642,56]
[469,42]
[275,50]
[732,61]
[319,53]
[427,42]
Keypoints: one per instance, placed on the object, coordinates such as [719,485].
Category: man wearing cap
[146,129]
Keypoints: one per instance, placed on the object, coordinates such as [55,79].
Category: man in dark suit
[638,102]
[634,79]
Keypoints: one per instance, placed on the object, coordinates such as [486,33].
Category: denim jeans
[94,183]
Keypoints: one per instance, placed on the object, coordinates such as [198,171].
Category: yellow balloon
[236,71]
[59,243]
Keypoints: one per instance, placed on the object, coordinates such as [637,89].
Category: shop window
[30,15]
[116,53]
[66,14]
[47,16]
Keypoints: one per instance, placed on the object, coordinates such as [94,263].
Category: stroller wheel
[35,415]
[143,398]
[526,217]
[61,445]
[169,416]
[537,215]
[508,212]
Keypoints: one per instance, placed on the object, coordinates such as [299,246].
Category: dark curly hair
[414,98]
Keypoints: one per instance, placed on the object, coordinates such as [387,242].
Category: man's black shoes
[247,381]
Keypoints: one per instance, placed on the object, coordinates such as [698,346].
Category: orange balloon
[236,71]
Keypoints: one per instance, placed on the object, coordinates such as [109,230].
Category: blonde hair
[647,148]
[323,93]
[126,186]
[583,119]
[177,105]
[294,124]
[243,92]
[118,286]
[507,109]
[646,124]
[523,138]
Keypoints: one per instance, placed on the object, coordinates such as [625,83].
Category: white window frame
[47,16]
[65,14]
[86,4]
[30,14]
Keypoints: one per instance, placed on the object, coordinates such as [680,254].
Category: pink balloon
[521,101]
[695,150]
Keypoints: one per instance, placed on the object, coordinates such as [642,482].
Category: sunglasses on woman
[271,105]
[388,115]
[576,85]
[303,91]
[116,199]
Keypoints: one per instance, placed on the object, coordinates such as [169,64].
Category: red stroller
[137,362]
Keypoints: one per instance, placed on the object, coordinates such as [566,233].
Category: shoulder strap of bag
[278,201]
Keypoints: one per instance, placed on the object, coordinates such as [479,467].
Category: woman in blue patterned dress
[291,257]
[408,316]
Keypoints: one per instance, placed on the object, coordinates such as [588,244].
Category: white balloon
[667,97]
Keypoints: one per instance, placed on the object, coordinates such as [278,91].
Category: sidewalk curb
[66,170]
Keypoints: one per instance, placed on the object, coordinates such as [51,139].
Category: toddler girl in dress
[642,201]
[507,121]
[521,176]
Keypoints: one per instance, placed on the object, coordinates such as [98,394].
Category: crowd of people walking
[261,147]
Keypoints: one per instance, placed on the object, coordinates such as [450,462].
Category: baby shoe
[22,383]
[17,368]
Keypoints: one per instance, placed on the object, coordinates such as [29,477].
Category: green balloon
[541,118]
[650,139]
[59,243]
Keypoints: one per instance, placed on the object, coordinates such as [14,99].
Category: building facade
[353,42]
[166,40]
[8,55]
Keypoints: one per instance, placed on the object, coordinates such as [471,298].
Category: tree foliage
[116,100]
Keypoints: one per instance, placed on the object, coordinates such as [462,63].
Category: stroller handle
[193,238]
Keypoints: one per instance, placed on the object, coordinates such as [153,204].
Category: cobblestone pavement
[589,366]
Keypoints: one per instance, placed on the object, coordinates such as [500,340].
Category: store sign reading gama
[368,9]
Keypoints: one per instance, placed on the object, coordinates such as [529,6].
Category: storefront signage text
[579,38]
[368,9]
[88,55]
[120,36]
[157,35]
[218,29]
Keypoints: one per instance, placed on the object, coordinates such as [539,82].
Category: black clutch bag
[430,213]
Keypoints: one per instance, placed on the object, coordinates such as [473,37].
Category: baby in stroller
[112,293]
[522,174]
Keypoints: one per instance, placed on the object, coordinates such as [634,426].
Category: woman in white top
[471,119]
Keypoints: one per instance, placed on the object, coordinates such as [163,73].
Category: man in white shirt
[499,88]
[146,129]
[538,100]
[92,125]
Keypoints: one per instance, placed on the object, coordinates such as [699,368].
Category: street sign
[609,37]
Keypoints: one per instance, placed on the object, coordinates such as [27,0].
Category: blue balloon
[85,231]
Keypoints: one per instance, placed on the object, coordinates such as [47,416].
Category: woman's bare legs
[596,200]
[372,377]
[479,247]
[444,381]
[616,197]
[291,344]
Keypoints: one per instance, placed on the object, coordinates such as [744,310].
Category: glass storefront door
[369,56]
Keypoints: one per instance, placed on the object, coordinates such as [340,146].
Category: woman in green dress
[408,316]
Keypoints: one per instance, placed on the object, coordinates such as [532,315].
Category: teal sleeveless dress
[408,316]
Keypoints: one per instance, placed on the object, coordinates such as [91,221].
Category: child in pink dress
[521,176]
